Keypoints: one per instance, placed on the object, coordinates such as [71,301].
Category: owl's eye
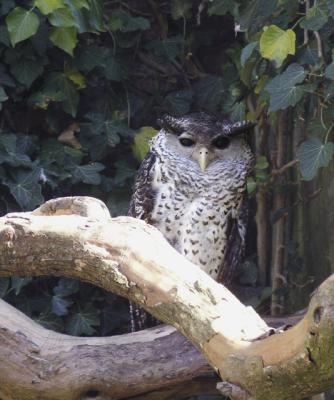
[221,142]
[187,142]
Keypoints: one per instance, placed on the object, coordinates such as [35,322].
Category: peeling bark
[130,258]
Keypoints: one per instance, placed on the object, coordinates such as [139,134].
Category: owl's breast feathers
[197,212]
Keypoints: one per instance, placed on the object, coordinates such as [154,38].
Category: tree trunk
[132,259]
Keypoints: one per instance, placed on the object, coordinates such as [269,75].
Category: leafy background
[82,83]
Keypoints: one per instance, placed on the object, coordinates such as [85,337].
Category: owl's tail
[140,319]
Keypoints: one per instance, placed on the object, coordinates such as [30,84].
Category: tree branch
[132,259]
[38,363]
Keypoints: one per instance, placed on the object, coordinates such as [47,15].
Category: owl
[192,186]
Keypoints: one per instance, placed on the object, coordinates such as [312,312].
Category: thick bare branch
[130,258]
[38,363]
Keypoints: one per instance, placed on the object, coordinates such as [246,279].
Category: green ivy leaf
[78,4]
[170,47]
[331,8]
[209,92]
[238,111]
[3,96]
[43,100]
[316,16]
[59,86]
[124,22]
[64,38]
[6,6]
[4,286]
[25,188]
[26,71]
[4,36]
[261,168]
[317,128]
[313,154]
[141,141]
[82,322]
[283,90]
[178,103]
[255,13]
[251,185]
[180,9]
[115,129]
[17,284]
[88,173]
[221,7]
[247,52]
[27,144]
[48,6]
[21,24]
[98,146]
[329,71]
[113,69]
[262,163]
[118,201]
[125,173]
[95,14]
[66,287]
[91,57]
[76,77]
[10,153]
[276,44]
[60,306]
[49,321]
[78,10]
[62,18]
[115,23]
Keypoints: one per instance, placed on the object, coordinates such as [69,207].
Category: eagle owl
[191,186]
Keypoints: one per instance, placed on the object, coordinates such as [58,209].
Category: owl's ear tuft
[239,127]
[170,124]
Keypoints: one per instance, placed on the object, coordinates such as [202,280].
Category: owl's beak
[203,158]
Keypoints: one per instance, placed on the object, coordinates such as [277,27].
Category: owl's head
[206,139]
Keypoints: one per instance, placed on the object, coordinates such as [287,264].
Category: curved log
[38,363]
[132,259]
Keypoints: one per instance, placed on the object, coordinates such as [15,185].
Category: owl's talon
[273,331]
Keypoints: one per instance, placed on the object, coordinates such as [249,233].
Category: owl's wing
[235,249]
[142,201]
[141,206]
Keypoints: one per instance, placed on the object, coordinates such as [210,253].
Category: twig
[319,44]
[306,36]
[278,237]
[159,17]
[280,171]
[199,11]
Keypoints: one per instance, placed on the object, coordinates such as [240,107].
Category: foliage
[276,44]
[111,68]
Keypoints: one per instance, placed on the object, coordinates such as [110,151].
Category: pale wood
[132,259]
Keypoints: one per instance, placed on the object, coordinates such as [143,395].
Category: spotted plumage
[191,186]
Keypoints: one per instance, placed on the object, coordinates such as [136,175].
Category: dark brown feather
[141,206]
[235,249]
